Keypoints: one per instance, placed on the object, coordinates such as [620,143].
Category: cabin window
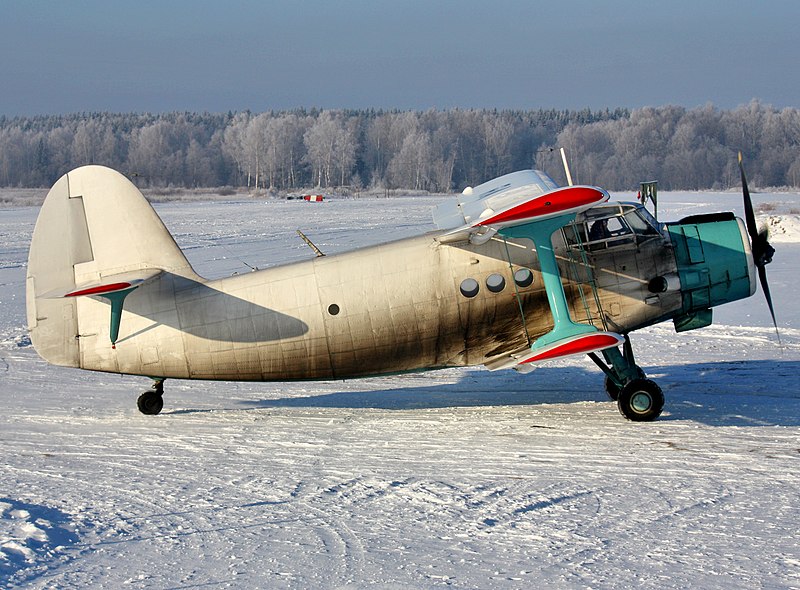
[495,283]
[523,277]
[333,309]
[469,287]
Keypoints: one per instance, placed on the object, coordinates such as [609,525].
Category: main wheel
[641,400]
[150,402]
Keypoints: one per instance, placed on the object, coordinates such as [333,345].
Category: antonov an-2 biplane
[520,271]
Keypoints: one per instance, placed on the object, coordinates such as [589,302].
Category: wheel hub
[641,401]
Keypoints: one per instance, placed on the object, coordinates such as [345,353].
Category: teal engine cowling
[715,265]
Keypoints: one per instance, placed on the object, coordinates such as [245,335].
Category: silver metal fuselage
[385,309]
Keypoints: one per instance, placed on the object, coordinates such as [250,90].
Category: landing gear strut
[151,401]
[638,398]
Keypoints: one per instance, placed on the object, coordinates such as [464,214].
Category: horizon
[381,110]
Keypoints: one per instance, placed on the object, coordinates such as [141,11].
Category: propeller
[759,244]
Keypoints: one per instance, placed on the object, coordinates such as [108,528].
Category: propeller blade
[749,215]
[762,275]
[759,244]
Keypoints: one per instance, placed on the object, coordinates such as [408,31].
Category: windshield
[642,222]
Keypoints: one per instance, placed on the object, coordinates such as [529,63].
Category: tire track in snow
[342,543]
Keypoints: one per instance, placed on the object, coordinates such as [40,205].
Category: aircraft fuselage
[390,308]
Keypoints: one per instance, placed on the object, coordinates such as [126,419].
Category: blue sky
[62,57]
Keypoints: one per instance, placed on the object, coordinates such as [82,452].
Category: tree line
[430,150]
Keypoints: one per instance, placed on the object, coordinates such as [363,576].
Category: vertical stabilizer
[94,224]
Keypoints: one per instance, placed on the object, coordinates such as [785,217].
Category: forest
[434,150]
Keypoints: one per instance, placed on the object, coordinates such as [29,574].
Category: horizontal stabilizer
[110,284]
[104,289]
[115,289]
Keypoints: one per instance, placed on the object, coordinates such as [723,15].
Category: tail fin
[95,230]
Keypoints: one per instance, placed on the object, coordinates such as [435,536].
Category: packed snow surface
[459,478]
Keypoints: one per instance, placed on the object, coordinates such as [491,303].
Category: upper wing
[527,208]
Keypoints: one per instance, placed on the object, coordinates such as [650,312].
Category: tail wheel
[641,400]
[150,402]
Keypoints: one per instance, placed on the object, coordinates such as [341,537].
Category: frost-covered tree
[432,150]
[331,144]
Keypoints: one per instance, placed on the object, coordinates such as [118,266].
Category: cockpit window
[600,232]
[611,225]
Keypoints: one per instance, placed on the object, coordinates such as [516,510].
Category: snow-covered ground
[459,478]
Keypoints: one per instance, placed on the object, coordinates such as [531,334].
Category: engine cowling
[715,265]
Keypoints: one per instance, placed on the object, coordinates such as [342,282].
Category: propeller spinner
[759,243]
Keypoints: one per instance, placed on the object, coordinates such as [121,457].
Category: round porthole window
[469,287]
[495,283]
[333,309]
[523,277]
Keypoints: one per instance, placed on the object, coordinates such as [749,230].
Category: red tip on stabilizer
[99,290]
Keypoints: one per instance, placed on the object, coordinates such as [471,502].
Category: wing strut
[541,233]
[567,337]
[536,218]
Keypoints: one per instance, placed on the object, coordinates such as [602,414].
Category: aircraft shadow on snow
[730,393]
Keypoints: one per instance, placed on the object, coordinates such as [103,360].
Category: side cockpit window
[609,226]
[601,232]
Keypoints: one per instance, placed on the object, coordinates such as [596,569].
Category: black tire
[150,403]
[641,400]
